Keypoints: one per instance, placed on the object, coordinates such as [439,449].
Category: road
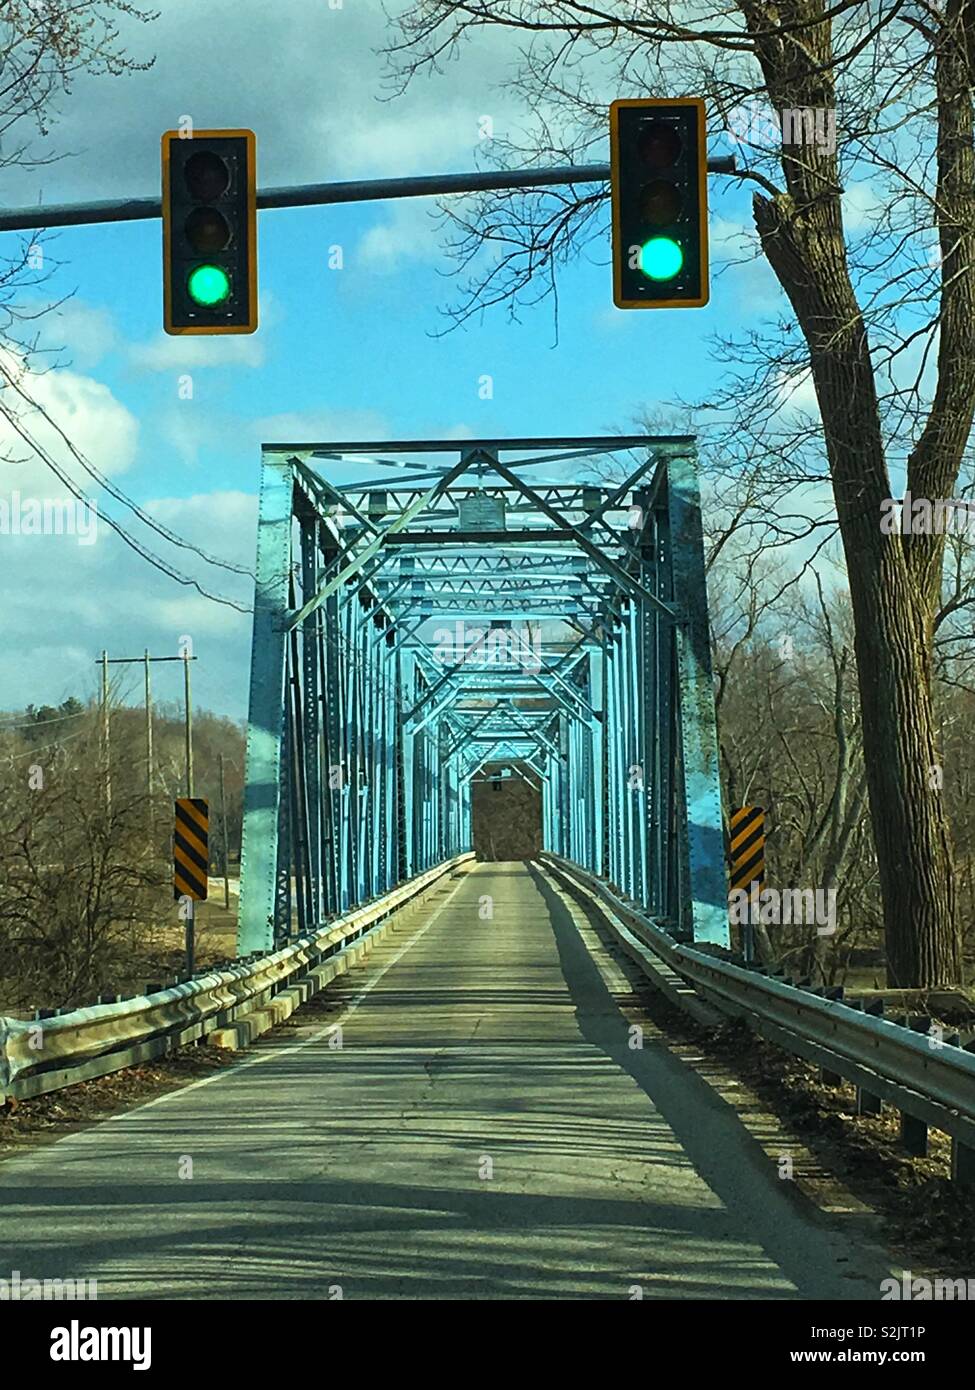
[484,1131]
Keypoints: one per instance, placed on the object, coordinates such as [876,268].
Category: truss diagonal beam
[361,740]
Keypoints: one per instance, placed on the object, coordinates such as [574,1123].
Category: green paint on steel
[391,664]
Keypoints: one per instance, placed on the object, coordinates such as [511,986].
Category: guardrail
[930,1080]
[50,1053]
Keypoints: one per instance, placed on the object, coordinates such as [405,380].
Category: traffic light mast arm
[321,194]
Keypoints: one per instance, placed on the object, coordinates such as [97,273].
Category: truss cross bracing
[425,611]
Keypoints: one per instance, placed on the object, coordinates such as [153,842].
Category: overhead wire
[80,495]
[115,491]
[38,723]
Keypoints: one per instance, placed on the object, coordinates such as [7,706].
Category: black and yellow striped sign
[190,853]
[747,848]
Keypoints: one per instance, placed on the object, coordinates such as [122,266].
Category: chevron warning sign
[747,848]
[190,853]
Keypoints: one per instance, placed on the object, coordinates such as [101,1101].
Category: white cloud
[179,353]
[85,332]
[83,410]
[388,145]
[410,233]
[83,598]
[320,426]
[738,265]
[306,81]
[863,203]
[796,392]
[195,616]
[184,354]
[215,516]
[186,431]
[731,236]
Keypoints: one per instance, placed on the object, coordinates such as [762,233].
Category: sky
[340,353]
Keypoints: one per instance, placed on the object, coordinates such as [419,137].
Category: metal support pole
[223,836]
[106,751]
[702,830]
[188,708]
[149,750]
[319,194]
[190,936]
[265,727]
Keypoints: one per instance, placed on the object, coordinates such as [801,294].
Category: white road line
[315,1037]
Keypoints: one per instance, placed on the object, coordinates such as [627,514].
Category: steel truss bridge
[465,1113]
[535,604]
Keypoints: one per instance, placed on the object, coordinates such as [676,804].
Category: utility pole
[223,835]
[147,660]
[105,734]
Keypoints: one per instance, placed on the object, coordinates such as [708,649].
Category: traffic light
[658,153]
[209,207]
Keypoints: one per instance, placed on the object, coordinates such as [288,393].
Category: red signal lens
[659,145]
[207,175]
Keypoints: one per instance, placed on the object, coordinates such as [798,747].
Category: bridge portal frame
[361,743]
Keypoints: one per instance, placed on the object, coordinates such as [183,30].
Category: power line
[156,561]
[46,747]
[38,723]
[120,496]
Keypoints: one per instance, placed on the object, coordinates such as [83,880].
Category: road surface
[484,1131]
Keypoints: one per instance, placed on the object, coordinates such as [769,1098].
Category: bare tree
[900,82]
[77,884]
[44,45]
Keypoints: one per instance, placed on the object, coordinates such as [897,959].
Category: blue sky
[340,353]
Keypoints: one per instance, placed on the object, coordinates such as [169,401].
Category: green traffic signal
[658,178]
[209,215]
[208,285]
[661,258]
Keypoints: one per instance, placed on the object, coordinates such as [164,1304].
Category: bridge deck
[469,1046]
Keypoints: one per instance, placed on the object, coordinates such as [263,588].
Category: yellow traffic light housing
[659,176]
[209,210]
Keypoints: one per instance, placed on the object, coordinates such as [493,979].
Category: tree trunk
[893,593]
[906,804]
